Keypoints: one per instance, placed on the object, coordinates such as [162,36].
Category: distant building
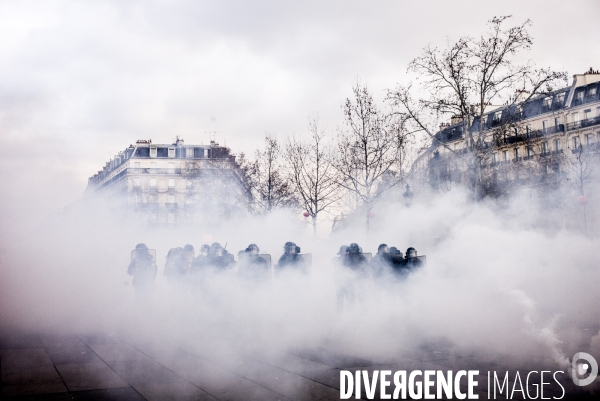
[174,183]
[538,144]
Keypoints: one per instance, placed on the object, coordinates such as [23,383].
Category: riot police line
[183,264]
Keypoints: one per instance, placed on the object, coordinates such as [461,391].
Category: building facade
[537,143]
[174,183]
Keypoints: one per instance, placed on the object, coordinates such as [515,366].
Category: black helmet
[354,248]
[383,248]
[216,249]
[141,246]
[411,252]
[188,247]
[204,249]
[395,251]
[290,248]
[343,250]
[253,249]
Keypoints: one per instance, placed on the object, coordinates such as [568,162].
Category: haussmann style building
[174,183]
[547,143]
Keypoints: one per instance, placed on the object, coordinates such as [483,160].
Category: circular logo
[578,368]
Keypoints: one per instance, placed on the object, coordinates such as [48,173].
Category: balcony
[553,130]
[154,170]
[588,122]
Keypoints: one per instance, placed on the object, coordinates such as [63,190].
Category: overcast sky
[82,80]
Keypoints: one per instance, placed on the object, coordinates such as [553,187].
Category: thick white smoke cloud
[492,285]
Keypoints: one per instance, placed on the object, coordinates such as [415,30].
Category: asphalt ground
[70,366]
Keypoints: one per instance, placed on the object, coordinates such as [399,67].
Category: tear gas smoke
[492,285]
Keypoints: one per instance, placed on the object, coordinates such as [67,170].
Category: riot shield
[305,259]
[266,257]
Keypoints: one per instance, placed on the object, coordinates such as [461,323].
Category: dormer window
[153,151]
[189,153]
[547,102]
[171,152]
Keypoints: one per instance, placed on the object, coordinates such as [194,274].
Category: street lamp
[407,195]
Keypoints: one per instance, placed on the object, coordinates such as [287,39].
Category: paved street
[88,367]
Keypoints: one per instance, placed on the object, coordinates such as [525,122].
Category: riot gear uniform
[382,261]
[354,258]
[411,260]
[253,265]
[219,257]
[201,260]
[291,257]
[142,266]
[179,262]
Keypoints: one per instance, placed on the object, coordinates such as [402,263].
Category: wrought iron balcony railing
[588,122]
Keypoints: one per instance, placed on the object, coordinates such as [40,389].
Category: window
[497,116]
[516,153]
[589,139]
[171,152]
[547,169]
[545,147]
[136,183]
[505,155]
[189,152]
[576,142]
[547,102]
[560,98]
[153,152]
[575,117]
[587,114]
[579,96]
[171,183]
[527,130]
[557,146]
[556,122]
[544,125]
[529,151]
[592,92]
[598,111]
[495,157]
[152,182]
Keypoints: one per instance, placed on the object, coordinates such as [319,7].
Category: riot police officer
[354,257]
[219,257]
[179,262]
[395,256]
[142,267]
[411,261]
[291,257]
[381,262]
[201,260]
[252,265]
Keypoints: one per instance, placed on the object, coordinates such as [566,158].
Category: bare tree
[311,171]
[271,187]
[368,148]
[581,170]
[464,80]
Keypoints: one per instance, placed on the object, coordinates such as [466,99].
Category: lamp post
[407,195]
